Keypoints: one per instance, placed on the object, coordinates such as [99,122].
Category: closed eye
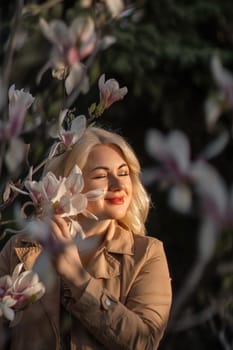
[100,176]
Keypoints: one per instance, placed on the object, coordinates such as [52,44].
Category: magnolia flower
[6,304]
[26,287]
[5,301]
[70,137]
[216,199]
[173,154]
[19,103]
[222,100]
[110,91]
[70,46]
[62,196]
[216,208]
[15,154]
[223,78]
[175,168]
[19,291]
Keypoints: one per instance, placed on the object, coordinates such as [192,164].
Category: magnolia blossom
[63,196]
[216,199]
[173,154]
[19,102]
[70,46]
[222,100]
[216,207]
[69,137]
[110,91]
[223,78]
[175,168]
[19,291]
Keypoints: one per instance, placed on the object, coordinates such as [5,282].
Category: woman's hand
[66,259]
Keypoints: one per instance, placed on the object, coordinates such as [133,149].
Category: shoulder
[148,246]
[19,240]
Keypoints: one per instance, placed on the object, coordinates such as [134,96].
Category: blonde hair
[62,165]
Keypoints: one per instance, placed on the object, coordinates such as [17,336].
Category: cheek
[92,185]
[129,186]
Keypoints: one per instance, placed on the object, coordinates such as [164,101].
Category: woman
[112,291]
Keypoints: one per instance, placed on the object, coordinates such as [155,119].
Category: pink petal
[17,270]
[95,194]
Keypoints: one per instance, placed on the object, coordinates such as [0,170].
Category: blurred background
[162,52]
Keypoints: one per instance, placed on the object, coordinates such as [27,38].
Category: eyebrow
[106,168]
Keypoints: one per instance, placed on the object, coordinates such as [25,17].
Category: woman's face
[107,169]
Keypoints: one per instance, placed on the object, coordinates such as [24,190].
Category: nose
[115,183]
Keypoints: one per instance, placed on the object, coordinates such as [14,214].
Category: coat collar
[119,240]
[27,250]
[103,264]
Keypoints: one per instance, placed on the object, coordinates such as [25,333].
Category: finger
[63,226]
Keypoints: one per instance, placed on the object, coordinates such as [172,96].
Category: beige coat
[125,305]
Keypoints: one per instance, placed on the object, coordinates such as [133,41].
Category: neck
[94,236]
[94,228]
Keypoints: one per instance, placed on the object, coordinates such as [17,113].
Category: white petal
[56,31]
[17,270]
[5,282]
[77,79]
[79,204]
[79,125]
[179,147]
[7,312]
[75,228]
[15,154]
[82,28]
[107,41]
[222,76]
[216,146]
[156,144]
[74,182]
[212,112]
[210,185]
[95,194]
[9,301]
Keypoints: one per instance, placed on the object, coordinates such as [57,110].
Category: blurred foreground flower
[70,46]
[222,100]
[216,199]
[19,102]
[19,291]
[216,208]
[174,169]
[10,130]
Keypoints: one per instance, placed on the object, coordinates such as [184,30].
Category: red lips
[116,200]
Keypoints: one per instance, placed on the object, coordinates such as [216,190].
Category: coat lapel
[104,264]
